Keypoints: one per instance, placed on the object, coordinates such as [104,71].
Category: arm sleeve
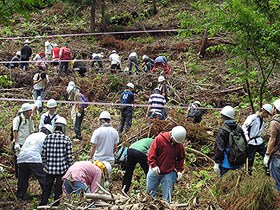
[152,155]
[272,137]
[246,125]
[69,153]
[220,146]
[15,123]
[179,165]
[41,124]
[43,153]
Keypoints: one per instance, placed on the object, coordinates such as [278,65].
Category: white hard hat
[277,104]
[196,102]
[156,90]
[26,107]
[55,45]
[108,166]
[130,85]
[105,115]
[144,57]
[49,127]
[71,83]
[61,120]
[268,108]
[38,103]
[161,78]
[69,89]
[179,133]
[228,111]
[114,51]
[18,53]
[51,103]
[26,41]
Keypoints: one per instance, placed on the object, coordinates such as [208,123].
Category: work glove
[79,114]
[179,175]
[155,171]
[17,148]
[217,168]
[265,160]
[1,170]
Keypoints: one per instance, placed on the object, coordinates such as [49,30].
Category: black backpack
[237,153]
[48,120]
[12,132]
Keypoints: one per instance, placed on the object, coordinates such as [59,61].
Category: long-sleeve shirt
[65,54]
[166,154]
[161,59]
[26,53]
[115,58]
[85,172]
[143,145]
[57,153]
[273,146]
[253,128]
[46,118]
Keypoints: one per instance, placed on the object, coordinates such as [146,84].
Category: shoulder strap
[20,121]
[53,117]
[226,129]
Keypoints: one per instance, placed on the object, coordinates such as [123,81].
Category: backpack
[84,99]
[12,132]
[48,120]
[237,153]
[121,157]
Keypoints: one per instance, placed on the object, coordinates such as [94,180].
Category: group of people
[63,57]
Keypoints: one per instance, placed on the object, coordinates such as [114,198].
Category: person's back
[55,52]
[65,53]
[127,97]
[161,59]
[143,145]
[157,102]
[115,58]
[26,53]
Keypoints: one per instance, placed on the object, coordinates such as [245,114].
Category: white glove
[1,170]
[79,114]
[217,168]
[179,175]
[17,148]
[155,171]
[265,160]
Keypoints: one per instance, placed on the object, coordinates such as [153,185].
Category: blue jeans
[274,169]
[40,93]
[133,61]
[76,186]
[167,182]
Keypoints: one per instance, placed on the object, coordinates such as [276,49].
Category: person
[40,61]
[23,126]
[137,153]
[97,58]
[80,67]
[161,61]
[57,158]
[156,108]
[104,140]
[162,85]
[48,49]
[148,63]
[77,110]
[222,164]
[37,106]
[84,176]
[133,60]
[50,116]
[253,127]
[115,62]
[65,55]
[194,114]
[30,161]
[272,155]
[26,53]
[127,97]
[55,55]
[40,82]
[14,62]
[166,162]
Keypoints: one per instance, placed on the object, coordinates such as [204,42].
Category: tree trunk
[155,7]
[92,16]
[103,21]
[248,87]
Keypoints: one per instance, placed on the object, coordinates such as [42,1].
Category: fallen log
[199,153]
[95,196]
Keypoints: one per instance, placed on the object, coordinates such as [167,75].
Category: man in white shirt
[40,81]
[104,140]
[50,116]
[115,62]
[29,161]
[48,50]
[253,128]
[97,58]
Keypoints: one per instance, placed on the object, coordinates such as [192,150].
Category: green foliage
[5,81]
[115,83]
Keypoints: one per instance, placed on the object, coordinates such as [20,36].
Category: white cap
[144,57]
[179,133]
[105,115]
[26,41]
[108,166]
[55,45]
[18,53]
[228,111]
[25,107]
[130,85]
[38,103]
[268,108]
[69,89]
[51,103]
[277,104]
[114,51]
[49,127]
[61,120]
[161,78]
[196,102]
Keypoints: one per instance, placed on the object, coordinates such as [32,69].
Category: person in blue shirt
[127,97]
[161,61]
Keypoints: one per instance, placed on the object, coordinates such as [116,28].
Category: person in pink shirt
[84,176]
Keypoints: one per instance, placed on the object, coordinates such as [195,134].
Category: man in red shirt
[55,55]
[166,161]
[65,55]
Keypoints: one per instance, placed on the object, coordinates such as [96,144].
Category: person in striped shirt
[156,105]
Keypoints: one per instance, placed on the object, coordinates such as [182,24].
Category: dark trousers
[115,68]
[24,65]
[98,60]
[24,172]
[252,150]
[50,179]
[133,61]
[65,65]
[133,157]
[126,119]
[77,126]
